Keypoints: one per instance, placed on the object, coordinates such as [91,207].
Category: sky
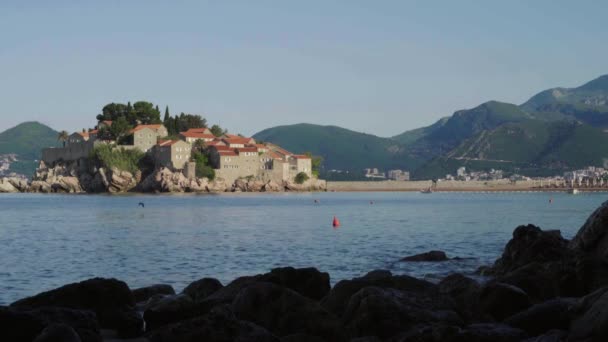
[380,67]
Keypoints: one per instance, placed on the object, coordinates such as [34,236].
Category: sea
[47,241]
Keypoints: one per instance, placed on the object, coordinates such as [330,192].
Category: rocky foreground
[71,178]
[543,288]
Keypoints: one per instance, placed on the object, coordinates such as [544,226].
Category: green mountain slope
[410,137]
[341,149]
[593,93]
[26,140]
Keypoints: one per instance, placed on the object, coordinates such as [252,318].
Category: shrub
[203,169]
[122,159]
[301,178]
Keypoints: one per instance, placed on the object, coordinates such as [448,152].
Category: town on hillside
[231,156]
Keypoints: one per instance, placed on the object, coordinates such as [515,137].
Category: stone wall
[498,185]
[70,152]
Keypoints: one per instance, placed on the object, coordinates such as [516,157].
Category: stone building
[398,175]
[144,137]
[173,154]
[194,134]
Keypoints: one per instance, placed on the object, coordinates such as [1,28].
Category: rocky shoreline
[542,288]
[71,178]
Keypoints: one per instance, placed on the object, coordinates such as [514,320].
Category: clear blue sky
[380,67]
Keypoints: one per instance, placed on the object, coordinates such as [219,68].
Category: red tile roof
[163,143]
[198,130]
[301,156]
[237,140]
[247,149]
[227,153]
[215,143]
[140,127]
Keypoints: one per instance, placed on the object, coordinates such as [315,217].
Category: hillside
[26,140]
[341,149]
[593,93]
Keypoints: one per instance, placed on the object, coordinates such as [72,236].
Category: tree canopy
[183,122]
[140,112]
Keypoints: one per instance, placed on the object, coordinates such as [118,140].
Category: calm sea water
[50,240]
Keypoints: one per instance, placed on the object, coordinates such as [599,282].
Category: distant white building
[398,175]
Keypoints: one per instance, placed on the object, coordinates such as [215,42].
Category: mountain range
[556,130]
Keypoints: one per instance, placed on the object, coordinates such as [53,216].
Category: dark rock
[531,244]
[366,339]
[490,332]
[385,312]
[428,256]
[308,282]
[430,333]
[110,299]
[302,338]
[285,312]
[544,281]
[550,336]
[592,324]
[465,293]
[219,325]
[58,333]
[170,309]
[337,299]
[202,288]
[592,237]
[540,318]
[502,300]
[17,326]
[228,293]
[83,322]
[144,293]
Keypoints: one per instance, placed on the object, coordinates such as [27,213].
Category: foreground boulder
[219,325]
[308,282]
[490,332]
[592,323]
[555,314]
[385,312]
[339,296]
[58,332]
[502,300]
[144,293]
[285,312]
[202,288]
[531,244]
[169,309]
[428,256]
[18,324]
[592,237]
[110,299]
[465,293]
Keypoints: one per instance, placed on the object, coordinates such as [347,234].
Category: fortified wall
[497,185]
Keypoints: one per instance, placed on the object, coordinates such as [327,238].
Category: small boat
[573,191]
[426,191]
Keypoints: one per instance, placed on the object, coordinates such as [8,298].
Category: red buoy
[336,222]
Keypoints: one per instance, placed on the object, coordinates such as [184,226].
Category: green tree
[63,137]
[217,130]
[301,178]
[167,116]
[120,129]
[146,113]
[203,169]
[317,162]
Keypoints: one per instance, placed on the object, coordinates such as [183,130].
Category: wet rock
[6,186]
[170,309]
[83,322]
[302,338]
[592,325]
[550,336]
[110,299]
[490,332]
[308,282]
[220,325]
[272,186]
[285,312]
[228,293]
[339,296]
[531,244]
[592,237]
[465,293]
[428,256]
[541,318]
[202,288]
[40,186]
[430,333]
[19,326]
[217,185]
[58,332]
[144,293]
[385,312]
[501,300]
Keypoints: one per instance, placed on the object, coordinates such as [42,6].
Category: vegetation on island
[301,178]
[203,169]
[109,156]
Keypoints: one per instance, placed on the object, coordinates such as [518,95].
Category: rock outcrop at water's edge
[77,177]
[542,288]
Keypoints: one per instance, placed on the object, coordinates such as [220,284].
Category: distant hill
[26,140]
[342,149]
[556,130]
